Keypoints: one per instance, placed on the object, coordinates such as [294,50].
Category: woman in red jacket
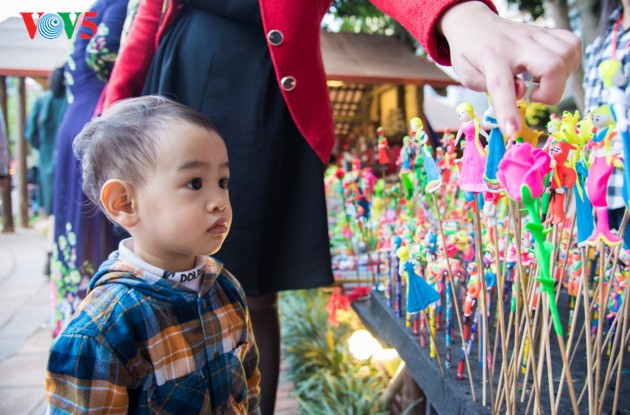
[254,68]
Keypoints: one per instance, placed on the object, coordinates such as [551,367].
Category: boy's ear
[117,199]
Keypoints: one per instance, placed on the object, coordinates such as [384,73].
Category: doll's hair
[121,143]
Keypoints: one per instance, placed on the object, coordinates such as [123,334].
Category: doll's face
[600,120]
[463,115]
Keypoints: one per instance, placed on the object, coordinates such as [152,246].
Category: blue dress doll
[420,138]
[496,150]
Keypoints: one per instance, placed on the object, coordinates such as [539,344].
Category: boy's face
[183,207]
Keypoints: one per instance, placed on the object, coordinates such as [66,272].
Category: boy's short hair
[122,141]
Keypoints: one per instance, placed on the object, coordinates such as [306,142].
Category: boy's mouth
[219,227]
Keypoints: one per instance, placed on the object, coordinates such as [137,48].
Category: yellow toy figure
[554,129]
[525,134]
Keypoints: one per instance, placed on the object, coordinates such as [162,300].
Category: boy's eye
[223,183]
[195,184]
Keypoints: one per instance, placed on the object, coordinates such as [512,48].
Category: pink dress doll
[604,158]
[474,158]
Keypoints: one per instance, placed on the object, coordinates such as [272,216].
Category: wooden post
[422,115]
[402,102]
[7,208]
[22,150]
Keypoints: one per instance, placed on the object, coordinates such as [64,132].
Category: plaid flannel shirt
[598,51]
[140,344]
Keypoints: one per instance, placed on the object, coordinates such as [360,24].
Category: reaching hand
[488,51]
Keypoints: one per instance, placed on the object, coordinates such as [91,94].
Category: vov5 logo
[51,25]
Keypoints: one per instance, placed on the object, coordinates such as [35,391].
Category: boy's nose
[219,204]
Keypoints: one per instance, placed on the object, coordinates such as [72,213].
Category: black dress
[215,59]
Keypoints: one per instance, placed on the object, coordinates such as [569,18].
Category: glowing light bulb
[362,345]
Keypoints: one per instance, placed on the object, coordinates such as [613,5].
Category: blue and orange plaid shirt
[141,344]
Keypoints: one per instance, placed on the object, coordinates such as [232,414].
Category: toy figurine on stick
[474,158]
[420,138]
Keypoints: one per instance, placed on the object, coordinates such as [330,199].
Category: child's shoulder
[104,306]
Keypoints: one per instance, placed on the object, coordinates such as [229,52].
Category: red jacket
[296,57]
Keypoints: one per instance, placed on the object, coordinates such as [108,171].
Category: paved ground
[25,335]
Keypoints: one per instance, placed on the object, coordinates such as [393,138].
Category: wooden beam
[22,151]
[7,208]
[359,79]
[32,73]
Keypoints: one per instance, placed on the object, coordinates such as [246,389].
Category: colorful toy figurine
[447,162]
[580,132]
[496,150]
[420,138]
[604,158]
[474,158]
[525,134]
[554,127]
[383,147]
[473,292]
[614,81]
[419,293]
[563,177]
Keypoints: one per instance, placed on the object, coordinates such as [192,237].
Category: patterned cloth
[140,344]
[83,236]
[600,50]
[614,195]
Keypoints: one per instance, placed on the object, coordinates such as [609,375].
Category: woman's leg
[263,311]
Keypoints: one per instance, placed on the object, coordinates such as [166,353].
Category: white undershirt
[189,279]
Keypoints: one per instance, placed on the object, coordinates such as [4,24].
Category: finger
[551,66]
[552,81]
[502,87]
[469,75]
[573,52]
[559,43]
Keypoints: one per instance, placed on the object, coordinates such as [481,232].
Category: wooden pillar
[402,104]
[422,115]
[7,208]
[22,151]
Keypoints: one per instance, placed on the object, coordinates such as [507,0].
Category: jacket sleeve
[420,18]
[85,376]
[133,62]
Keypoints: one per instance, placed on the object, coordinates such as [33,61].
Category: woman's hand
[488,51]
